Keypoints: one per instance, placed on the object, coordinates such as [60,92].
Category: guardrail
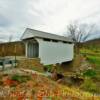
[7,63]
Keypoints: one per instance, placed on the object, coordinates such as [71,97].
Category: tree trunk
[77,48]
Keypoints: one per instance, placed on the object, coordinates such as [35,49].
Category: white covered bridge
[50,48]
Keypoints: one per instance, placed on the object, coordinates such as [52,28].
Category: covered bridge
[50,48]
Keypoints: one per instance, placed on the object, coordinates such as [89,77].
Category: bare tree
[10,38]
[79,33]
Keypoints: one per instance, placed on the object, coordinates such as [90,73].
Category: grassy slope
[40,83]
[93,56]
[92,51]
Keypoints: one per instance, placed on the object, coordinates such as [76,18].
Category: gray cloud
[4,22]
[46,15]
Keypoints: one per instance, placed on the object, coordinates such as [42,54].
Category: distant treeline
[92,44]
[12,49]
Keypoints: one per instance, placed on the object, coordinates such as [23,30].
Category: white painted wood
[31,33]
[55,52]
[52,51]
[26,46]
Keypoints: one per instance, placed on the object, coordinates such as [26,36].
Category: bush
[48,67]
[89,73]
[89,85]
[20,78]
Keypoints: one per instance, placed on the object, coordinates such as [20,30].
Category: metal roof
[29,33]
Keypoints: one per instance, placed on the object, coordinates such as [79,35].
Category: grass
[36,68]
[20,78]
[89,86]
[93,56]
[94,60]
[89,73]
[49,67]
[42,86]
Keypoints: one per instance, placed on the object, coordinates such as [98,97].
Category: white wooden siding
[54,52]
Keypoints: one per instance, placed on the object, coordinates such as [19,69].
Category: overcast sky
[46,15]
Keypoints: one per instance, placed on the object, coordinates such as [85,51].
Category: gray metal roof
[29,33]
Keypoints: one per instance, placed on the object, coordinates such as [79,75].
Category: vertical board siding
[55,52]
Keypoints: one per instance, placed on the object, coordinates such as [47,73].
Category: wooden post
[15,55]
[3,67]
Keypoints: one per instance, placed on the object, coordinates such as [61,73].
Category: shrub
[89,73]
[49,67]
[20,78]
[89,85]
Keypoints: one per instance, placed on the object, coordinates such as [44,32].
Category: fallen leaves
[39,87]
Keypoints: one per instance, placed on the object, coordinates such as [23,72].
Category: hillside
[95,42]
[21,84]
